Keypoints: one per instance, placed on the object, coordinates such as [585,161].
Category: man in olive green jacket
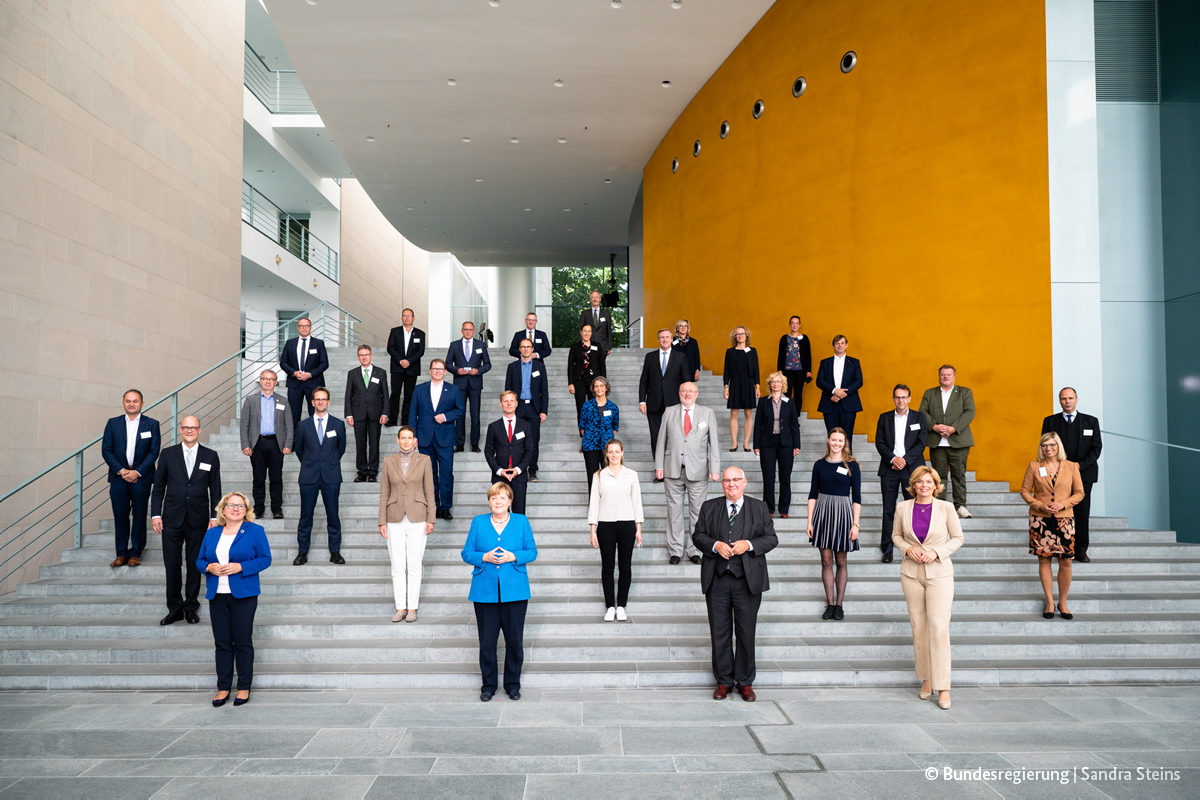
[950,410]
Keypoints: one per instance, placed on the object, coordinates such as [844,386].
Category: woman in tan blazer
[1052,487]
[925,533]
[407,513]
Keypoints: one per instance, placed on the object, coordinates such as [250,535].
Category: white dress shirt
[302,351]
[189,457]
[839,367]
[615,498]
[223,544]
[131,434]
[945,442]
[901,423]
[435,393]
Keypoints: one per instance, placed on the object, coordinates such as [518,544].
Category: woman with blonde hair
[1052,487]
[777,441]
[690,348]
[926,531]
[834,506]
[741,384]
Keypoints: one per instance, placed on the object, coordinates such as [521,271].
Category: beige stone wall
[381,271]
[120,162]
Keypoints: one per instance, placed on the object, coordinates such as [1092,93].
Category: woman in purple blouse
[925,533]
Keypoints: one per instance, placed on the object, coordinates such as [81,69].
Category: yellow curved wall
[904,204]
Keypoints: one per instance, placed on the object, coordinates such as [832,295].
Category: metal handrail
[282,228]
[280,90]
[639,323]
[57,514]
[1152,441]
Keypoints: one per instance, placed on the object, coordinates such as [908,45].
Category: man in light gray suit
[266,433]
[687,458]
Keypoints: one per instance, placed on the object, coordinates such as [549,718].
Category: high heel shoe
[733,449]
[220,701]
[1048,614]
[1063,614]
[241,701]
[944,704]
[924,695]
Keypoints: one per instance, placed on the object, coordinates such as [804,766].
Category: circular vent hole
[759,108]
[798,87]
[674,166]
[696,148]
[849,61]
[724,129]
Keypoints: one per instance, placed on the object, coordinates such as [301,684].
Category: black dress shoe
[446,515]
[674,560]
[192,617]
[459,449]
[475,449]
[258,513]
[887,558]
[514,694]
[695,559]
[371,479]
[300,560]
[486,695]
[218,702]
[171,618]
[1084,558]
[276,515]
[360,479]
[336,558]
[241,701]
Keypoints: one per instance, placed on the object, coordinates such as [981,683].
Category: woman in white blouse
[615,517]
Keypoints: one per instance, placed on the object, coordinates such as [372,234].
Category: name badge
[519,435]
[330,434]
[843,471]
[537,340]
[279,407]
[1042,471]
[608,412]
[1087,431]
[604,319]
[374,380]
[703,425]
[593,347]
[205,467]
[916,426]
[416,340]
[535,374]
[145,434]
[784,399]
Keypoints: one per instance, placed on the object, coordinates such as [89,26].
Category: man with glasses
[320,445]
[467,361]
[538,339]
[900,440]
[687,458]
[183,504]
[304,361]
[266,430]
[406,346]
[527,378]
[130,447]
[437,405]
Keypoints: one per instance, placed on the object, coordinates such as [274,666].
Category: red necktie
[687,422]
[510,442]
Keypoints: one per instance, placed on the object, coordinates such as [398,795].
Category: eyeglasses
[268,380]
[238,506]
[733,480]
[437,369]
[189,427]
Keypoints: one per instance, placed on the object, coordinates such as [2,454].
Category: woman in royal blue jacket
[498,546]
[231,556]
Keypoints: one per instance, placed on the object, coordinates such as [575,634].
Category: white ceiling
[380,68]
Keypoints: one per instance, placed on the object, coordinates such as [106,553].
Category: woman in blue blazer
[231,556]
[498,546]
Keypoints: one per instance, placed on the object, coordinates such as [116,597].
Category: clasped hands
[129,475]
[498,556]
[943,430]
[920,556]
[727,551]
[231,568]
[510,473]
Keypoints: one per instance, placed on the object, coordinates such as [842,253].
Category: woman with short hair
[777,442]
[1052,487]
[741,384]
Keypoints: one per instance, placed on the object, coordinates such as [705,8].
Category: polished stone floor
[1038,741]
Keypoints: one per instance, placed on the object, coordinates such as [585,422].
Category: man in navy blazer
[507,448]
[527,377]
[900,440]
[467,361]
[437,405]
[304,361]
[1080,434]
[406,346]
[130,447]
[539,339]
[320,444]
[183,505]
[839,378]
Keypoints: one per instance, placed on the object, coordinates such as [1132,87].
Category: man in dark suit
[130,446]
[734,533]
[663,372]
[320,444]
[304,361]
[1080,434]
[507,448]
[950,410]
[183,505]
[601,321]
[527,377]
[539,339]
[366,400]
[900,440]
[467,361]
[266,432]
[406,346]
[437,405]
[839,378]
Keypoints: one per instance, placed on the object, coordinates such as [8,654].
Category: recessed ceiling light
[570,229]
[559,83]
[370,138]
[616,3]
[451,82]
[514,140]
[566,209]
[479,180]
[408,208]
[562,140]
[494,3]
[676,4]
[533,229]
[258,170]
[466,138]
[608,180]
[666,84]
[311,2]
[529,209]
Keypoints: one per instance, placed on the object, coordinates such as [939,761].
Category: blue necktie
[321,430]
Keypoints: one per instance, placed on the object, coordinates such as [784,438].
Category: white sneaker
[621,614]
[963,513]
[610,615]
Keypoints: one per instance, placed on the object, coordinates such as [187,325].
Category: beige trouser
[929,601]
[406,548]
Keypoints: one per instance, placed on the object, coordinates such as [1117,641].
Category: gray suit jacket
[696,454]
[248,425]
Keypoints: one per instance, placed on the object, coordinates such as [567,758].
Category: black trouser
[330,494]
[267,458]
[471,398]
[841,419]
[175,541]
[296,392]
[527,412]
[233,627]
[583,393]
[402,383]
[592,459]
[366,445]
[732,611]
[1083,512]
[520,487]
[893,481]
[654,418]
[616,541]
[129,502]
[771,455]
[491,618]
[795,385]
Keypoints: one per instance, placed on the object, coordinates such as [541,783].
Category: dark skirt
[832,517]
[1051,537]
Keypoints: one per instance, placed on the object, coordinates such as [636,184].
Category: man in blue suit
[304,361]
[437,405]
[320,443]
[130,448]
[839,378]
[539,339]
[527,377]
[467,360]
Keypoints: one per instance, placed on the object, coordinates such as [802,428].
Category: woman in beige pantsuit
[407,514]
[925,533]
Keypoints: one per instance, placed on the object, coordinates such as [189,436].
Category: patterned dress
[1051,537]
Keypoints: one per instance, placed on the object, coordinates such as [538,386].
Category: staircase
[84,625]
